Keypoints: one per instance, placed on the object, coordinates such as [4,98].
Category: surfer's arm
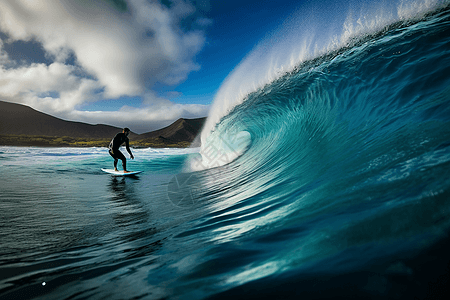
[127,144]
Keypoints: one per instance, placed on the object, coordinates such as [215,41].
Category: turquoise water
[331,181]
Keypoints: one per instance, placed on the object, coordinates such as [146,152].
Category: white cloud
[31,84]
[117,53]
[173,94]
[125,50]
[143,119]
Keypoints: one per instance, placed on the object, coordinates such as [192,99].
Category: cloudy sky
[136,63]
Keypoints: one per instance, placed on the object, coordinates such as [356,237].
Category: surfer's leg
[124,164]
[115,160]
[115,164]
[120,156]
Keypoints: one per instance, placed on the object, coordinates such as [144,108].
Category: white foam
[415,9]
[220,149]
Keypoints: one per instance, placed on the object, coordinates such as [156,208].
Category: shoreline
[77,142]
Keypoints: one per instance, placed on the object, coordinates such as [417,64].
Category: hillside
[180,130]
[16,119]
[23,126]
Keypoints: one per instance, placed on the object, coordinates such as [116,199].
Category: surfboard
[120,173]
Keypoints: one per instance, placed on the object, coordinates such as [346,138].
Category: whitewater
[323,173]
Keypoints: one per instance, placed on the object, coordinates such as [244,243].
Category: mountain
[180,130]
[17,119]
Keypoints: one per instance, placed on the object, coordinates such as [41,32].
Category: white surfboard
[120,173]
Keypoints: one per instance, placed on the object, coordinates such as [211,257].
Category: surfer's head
[126,130]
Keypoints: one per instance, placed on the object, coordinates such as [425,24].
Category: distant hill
[180,130]
[16,119]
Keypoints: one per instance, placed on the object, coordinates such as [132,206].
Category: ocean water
[330,180]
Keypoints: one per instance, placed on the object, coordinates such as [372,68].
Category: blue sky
[236,28]
[141,64]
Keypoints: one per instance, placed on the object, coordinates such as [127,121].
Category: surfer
[116,142]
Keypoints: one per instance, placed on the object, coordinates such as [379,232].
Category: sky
[143,64]
[140,64]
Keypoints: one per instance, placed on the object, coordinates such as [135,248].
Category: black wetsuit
[114,151]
